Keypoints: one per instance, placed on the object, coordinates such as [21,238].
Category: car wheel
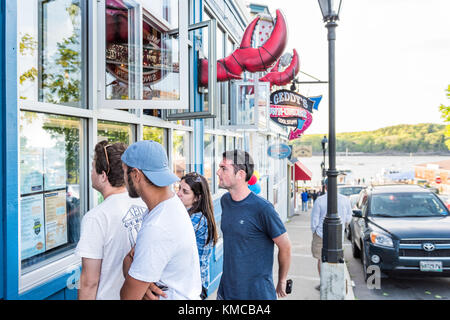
[355,250]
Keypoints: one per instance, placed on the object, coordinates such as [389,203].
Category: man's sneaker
[317,287]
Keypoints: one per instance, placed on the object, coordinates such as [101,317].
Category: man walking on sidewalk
[318,213]
[304,200]
[250,227]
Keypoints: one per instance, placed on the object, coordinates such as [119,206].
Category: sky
[392,60]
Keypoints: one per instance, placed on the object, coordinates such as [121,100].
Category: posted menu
[32,226]
[55,219]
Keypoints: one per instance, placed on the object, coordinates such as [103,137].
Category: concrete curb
[349,294]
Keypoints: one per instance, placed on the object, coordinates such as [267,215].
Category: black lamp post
[332,227]
[322,165]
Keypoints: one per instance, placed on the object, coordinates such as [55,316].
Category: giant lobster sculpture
[246,58]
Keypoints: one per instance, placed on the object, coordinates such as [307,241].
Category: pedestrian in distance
[251,227]
[304,200]
[196,197]
[164,264]
[318,214]
[104,240]
[314,195]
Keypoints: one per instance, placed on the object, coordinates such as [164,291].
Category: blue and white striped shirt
[200,225]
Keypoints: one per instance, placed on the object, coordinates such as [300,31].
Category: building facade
[77,72]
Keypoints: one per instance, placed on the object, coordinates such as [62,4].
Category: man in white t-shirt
[165,259]
[108,230]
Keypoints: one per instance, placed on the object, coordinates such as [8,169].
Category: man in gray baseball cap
[164,262]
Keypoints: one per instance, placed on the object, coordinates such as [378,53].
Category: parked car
[353,203]
[348,190]
[402,228]
[446,199]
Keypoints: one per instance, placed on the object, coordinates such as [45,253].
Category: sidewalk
[303,270]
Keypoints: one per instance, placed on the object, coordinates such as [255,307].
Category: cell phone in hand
[289,286]
[162,286]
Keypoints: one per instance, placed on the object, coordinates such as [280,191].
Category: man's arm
[89,279]
[284,261]
[133,289]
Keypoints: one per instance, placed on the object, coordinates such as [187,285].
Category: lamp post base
[332,281]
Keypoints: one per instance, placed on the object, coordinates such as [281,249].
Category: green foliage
[424,137]
[445,114]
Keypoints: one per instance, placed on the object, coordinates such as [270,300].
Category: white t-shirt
[106,233]
[166,251]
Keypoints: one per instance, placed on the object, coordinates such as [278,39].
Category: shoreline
[394,154]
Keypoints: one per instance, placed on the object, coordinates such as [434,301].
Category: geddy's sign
[293,110]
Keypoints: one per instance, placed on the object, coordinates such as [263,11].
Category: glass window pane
[245,109]
[50,64]
[121,55]
[208,159]
[156,134]
[220,151]
[161,61]
[51,195]
[180,154]
[115,132]
[154,75]
[230,143]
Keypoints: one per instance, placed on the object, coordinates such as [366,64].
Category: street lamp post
[332,277]
[322,165]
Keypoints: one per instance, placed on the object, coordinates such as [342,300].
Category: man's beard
[131,189]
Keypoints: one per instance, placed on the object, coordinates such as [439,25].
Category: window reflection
[181,163]
[156,134]
[114,132]
[50,190]
[157,75]
[50,67]
[208,159]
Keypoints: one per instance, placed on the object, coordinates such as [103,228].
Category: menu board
[55,168]
[55,219]
[32,226]
[31,170]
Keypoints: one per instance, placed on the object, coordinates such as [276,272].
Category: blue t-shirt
[304,196]
[248,227]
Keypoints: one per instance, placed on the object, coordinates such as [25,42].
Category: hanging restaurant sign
[291,109]
[156,59]
[279,151]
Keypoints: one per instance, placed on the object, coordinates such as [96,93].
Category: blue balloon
[256,188]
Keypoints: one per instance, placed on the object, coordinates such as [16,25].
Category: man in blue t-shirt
[250,227]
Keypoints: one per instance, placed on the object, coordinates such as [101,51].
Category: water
[368,168]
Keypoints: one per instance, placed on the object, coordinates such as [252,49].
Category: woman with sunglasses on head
[196,197]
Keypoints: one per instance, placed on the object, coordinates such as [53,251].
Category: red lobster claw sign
[246,58]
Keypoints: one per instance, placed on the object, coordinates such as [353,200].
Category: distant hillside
[419,138]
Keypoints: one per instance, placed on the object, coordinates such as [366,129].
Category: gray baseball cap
[151,158]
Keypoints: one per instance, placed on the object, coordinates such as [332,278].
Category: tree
[445,111]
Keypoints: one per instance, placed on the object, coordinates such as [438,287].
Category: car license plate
[431,266]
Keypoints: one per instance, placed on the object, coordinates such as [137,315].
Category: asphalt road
[399,288]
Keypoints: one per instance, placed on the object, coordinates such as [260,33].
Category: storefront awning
[302,172]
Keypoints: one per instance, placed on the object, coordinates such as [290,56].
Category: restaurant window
[51,187]
[220,150]
[156,134]
[145,54]
[208,160]
[181,152]
[51,52]
[230,143]
[113,132]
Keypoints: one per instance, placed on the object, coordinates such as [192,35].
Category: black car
[402,228]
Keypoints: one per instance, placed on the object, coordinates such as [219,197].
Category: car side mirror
[357,213]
